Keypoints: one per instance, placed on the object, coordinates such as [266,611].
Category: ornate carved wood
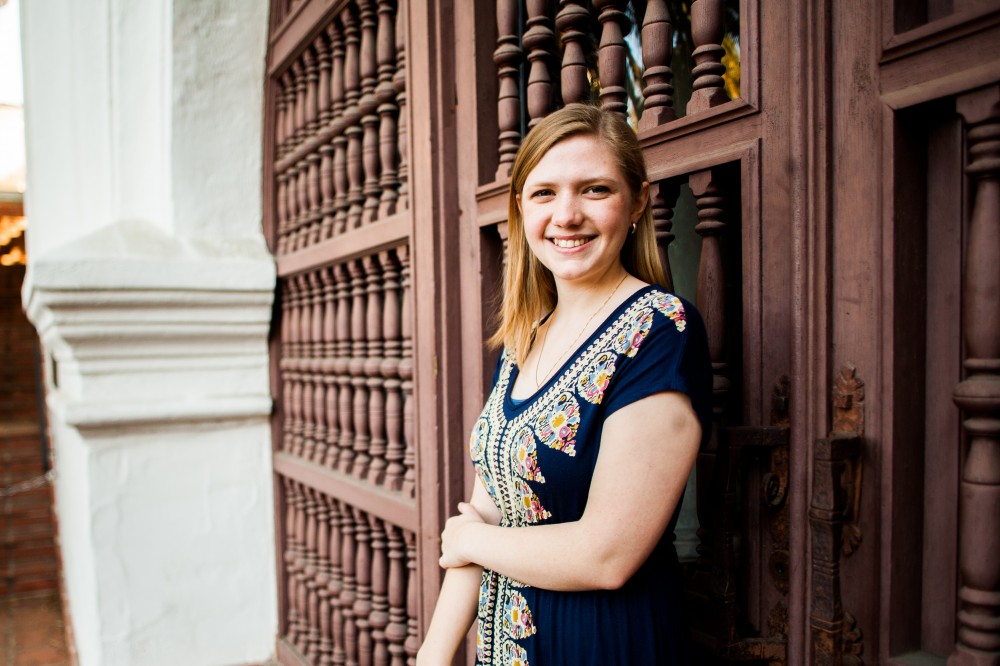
[978,395]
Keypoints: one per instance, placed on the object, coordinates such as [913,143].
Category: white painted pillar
[151,287]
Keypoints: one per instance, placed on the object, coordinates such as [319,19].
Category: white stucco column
[151,287]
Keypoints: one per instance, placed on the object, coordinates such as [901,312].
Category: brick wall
[28,561]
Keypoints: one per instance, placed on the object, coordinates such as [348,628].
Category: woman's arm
[458,599]
[647,451]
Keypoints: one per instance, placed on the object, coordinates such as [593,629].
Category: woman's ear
[641,199]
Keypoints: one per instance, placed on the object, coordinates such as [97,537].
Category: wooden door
[351,211]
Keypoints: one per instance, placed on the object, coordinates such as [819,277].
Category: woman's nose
[567,210]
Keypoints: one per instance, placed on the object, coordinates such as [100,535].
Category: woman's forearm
[453,615]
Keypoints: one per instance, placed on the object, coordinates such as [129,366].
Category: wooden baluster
[352,118]
[978,395]
[663,195]
[368,107]
[303,395]
[349,595]
[359,348]
[302,592]
[309,572]
[319,364]
[291,555]
[292,207]
[385,95]
[373,372]
[508,59]
[300,196]
[282,210]
[288,85]
[326,402]
[395,630]
[658,88]
[280,115]
[712,460]
[708,88]
[285,365]
[311,233]
[392,332]
[573,21]
[310,362]
[323,58]
[326,150]
[336,587]
[345,404]
[311,74]
[412,643]
[363,602]
[611,61]
[295,364]
[299,107]
[339,126]
[330,370]
[378,619]
[406,374]
[399,83]
[539,39]
[324,647]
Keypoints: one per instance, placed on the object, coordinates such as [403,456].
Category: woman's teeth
[576,242]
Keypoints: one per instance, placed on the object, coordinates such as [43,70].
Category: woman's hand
[452,537]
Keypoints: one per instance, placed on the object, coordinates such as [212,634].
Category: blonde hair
[529,290]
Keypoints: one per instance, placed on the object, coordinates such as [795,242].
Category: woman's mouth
[569,243]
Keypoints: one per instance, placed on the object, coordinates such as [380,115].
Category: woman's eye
[541,193]
[599,189]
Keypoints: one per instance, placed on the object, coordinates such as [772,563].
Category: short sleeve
[672,357]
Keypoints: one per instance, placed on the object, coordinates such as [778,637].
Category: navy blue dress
[536,458]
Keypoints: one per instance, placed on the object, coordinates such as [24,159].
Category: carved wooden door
[358,329]
[715,130]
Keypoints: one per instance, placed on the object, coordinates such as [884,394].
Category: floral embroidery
[556,426]
[480,435]
[514,655]
[533,509]
[595,378]
[672,307]
[628,340]
[526,457]
[517,616]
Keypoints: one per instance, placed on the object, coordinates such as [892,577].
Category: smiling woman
[600,402]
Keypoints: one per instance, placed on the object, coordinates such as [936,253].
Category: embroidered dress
[536,458]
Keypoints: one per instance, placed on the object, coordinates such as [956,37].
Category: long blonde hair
[529,291]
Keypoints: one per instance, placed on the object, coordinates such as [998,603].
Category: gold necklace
[572,346]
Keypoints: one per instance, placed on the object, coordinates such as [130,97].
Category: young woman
[600,401]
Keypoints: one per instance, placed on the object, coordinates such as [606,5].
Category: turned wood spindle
[311,75]
[309,572]
[352,118]
[663,195]
[323,59]
[378,619]
[363,598]
[359,349]
[399,83]
[657,78]
[325,645]
[392,332]
[385,95]
[508,59]
[373,372]
[299,106]
[301,593]
[368,107]
[412,643]
[406,374]
[349,595]
[978,395]
[708,87]
[342,366]
[540,40]
[612,61]
[288,87]
[282,213]
[395,630]
[280,115]
[291,555]
[336,585]
[573,21]
[338,125]
[308,384]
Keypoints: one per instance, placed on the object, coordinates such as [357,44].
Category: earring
[633,227]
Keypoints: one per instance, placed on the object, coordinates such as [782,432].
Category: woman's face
[577,210]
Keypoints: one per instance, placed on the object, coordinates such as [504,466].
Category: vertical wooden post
[399,83]
[352,118]
[663,194]
[385,95]
[539,39]
[658,91]
[507,58]
[979,394]
[368,107]
[572,21]
[611,60]
[706,28]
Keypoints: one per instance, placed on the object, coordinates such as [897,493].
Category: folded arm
[647,451]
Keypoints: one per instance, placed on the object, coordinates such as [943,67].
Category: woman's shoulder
[677,313]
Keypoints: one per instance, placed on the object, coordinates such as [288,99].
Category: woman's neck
[583,298]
